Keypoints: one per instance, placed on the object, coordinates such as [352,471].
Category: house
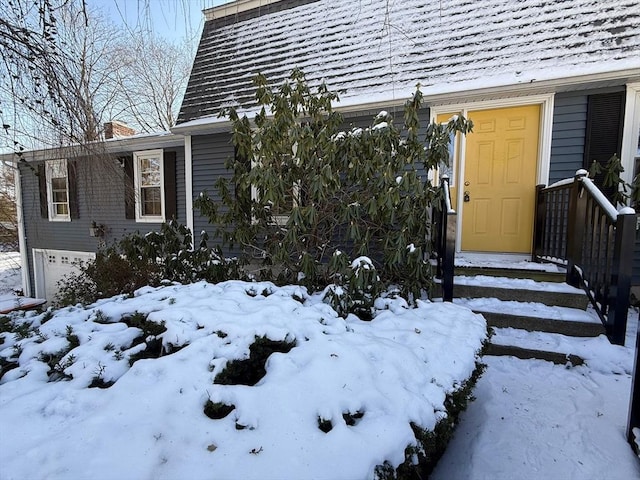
[550,87]
[73,200]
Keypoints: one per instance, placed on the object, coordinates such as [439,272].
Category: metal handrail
[446,241]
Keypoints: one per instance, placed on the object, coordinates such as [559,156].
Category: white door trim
[546,103]
[630,131]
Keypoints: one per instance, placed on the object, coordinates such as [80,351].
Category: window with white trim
[280,214]
[149,186]
[57,190]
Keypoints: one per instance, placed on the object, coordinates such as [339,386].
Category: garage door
[52,265]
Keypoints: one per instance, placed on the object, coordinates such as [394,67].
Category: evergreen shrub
[302,187]
[137,260]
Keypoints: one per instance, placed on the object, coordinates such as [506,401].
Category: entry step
[519,289]
[532,316]
[590,350]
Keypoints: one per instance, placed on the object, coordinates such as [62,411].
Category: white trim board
[188,186]
[22,239]
[235,8]
[630,131]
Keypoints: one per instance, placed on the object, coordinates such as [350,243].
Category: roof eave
[111,146]
[215,124]
[234,8]
[203,126]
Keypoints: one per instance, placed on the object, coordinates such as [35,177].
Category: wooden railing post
[575,228]
[634,404]
[620,290]
[448,262]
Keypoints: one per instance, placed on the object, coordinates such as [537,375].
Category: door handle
[467,197]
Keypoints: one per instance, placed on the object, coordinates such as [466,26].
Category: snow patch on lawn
[150,423]
[10,273]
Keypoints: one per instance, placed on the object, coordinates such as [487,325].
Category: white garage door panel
[50,266]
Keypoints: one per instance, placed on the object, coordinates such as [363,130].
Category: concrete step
[561,349]
[519,289]
[551,347]
[527,354]
[535,317]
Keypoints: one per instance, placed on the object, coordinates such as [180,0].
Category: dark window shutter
[170,197]
[605,117]
[42,187]
[72,179]
[129,188]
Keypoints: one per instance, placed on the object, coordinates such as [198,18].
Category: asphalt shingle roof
[379,49]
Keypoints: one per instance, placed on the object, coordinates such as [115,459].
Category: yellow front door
[499,180]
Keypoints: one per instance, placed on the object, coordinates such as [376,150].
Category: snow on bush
[336,398]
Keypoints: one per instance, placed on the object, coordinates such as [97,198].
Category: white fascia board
[234,8]
[188,185]
[111,146]
[630,131]
[202,126]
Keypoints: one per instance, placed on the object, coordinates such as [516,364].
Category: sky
[174,20]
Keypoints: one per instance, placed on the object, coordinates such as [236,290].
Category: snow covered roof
[381,49]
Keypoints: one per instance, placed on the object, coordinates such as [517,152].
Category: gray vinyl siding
[568,137]
[100,186]
[209,154]
[181,196]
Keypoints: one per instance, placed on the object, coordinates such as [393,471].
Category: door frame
[630,131]
[546,102]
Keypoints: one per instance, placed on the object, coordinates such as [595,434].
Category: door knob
[467,197]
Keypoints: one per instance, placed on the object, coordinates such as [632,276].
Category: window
[291,199]
[450,169]
[57,190]
[149,186]
[280,213]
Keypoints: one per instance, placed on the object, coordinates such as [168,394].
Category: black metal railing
[445,235]
[578,227]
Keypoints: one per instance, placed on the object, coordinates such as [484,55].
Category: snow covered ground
[536,420]
[10,279]
[334,406]
[530,420]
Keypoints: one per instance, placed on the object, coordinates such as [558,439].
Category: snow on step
[597,352]
[527,309]
[514,284]
[497,263]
